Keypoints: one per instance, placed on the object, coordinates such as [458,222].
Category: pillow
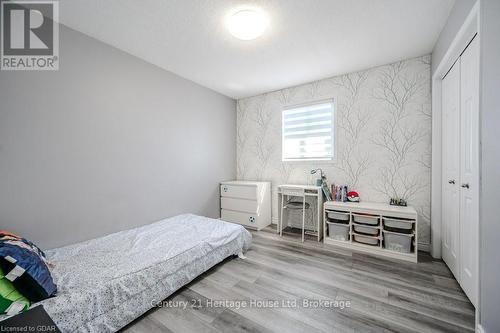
[11,300]
[25,265]
[6,233]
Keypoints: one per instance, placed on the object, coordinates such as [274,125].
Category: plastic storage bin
[337,217]
[397,242]
[398,225]
[366,219]
[368,240]
[366,230]
[338,231]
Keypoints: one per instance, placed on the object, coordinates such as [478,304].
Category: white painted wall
[490,170]
[106,143]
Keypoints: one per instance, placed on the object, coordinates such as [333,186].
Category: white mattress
[105,283]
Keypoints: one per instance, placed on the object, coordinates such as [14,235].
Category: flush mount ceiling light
[247,24]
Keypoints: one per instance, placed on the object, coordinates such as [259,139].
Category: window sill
[307,161]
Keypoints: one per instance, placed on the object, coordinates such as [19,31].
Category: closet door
[451,172]
[469,169]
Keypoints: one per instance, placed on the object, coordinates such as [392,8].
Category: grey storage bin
[338,231]
[397,242]
[366,219]
[366,230]
[365,239]
[337,217]
[398,223]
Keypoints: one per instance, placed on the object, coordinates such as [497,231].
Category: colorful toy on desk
[353,196]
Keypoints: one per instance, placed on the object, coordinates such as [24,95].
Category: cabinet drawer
[239,217]
[366,219]
[242,205]
[236,191]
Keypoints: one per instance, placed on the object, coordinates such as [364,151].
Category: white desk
[310,191]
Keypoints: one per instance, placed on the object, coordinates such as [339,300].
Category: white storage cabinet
[375,228]
[246,202]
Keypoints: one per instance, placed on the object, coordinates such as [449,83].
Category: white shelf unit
[246,202]
[380,211]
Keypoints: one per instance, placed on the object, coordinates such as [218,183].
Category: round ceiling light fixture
[247,24]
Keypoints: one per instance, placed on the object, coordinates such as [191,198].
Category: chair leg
[303,218]
[312,217]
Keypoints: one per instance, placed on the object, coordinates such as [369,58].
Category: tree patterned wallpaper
[383,135]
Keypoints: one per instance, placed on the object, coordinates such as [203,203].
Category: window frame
[328,160]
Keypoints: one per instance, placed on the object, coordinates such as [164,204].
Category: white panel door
[451,172]
[469,170]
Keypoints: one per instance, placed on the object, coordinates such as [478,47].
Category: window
[308,132]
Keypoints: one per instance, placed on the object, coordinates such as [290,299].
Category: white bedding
[105,283]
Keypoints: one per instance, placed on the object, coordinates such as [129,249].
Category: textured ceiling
[306,40]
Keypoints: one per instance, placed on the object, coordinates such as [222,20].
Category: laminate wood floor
[288,286]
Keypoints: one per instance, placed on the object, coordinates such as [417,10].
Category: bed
[105,283]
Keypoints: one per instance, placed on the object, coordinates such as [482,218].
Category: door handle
[451,181]
[465,185]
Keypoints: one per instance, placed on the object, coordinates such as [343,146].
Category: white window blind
[308,132]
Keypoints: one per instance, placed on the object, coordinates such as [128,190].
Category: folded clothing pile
[24,274]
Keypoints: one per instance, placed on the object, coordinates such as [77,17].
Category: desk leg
[278,223]
[281,216]
[320,214]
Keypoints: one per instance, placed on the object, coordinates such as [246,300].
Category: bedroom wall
[383,146]
[106,143]
[489,225]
